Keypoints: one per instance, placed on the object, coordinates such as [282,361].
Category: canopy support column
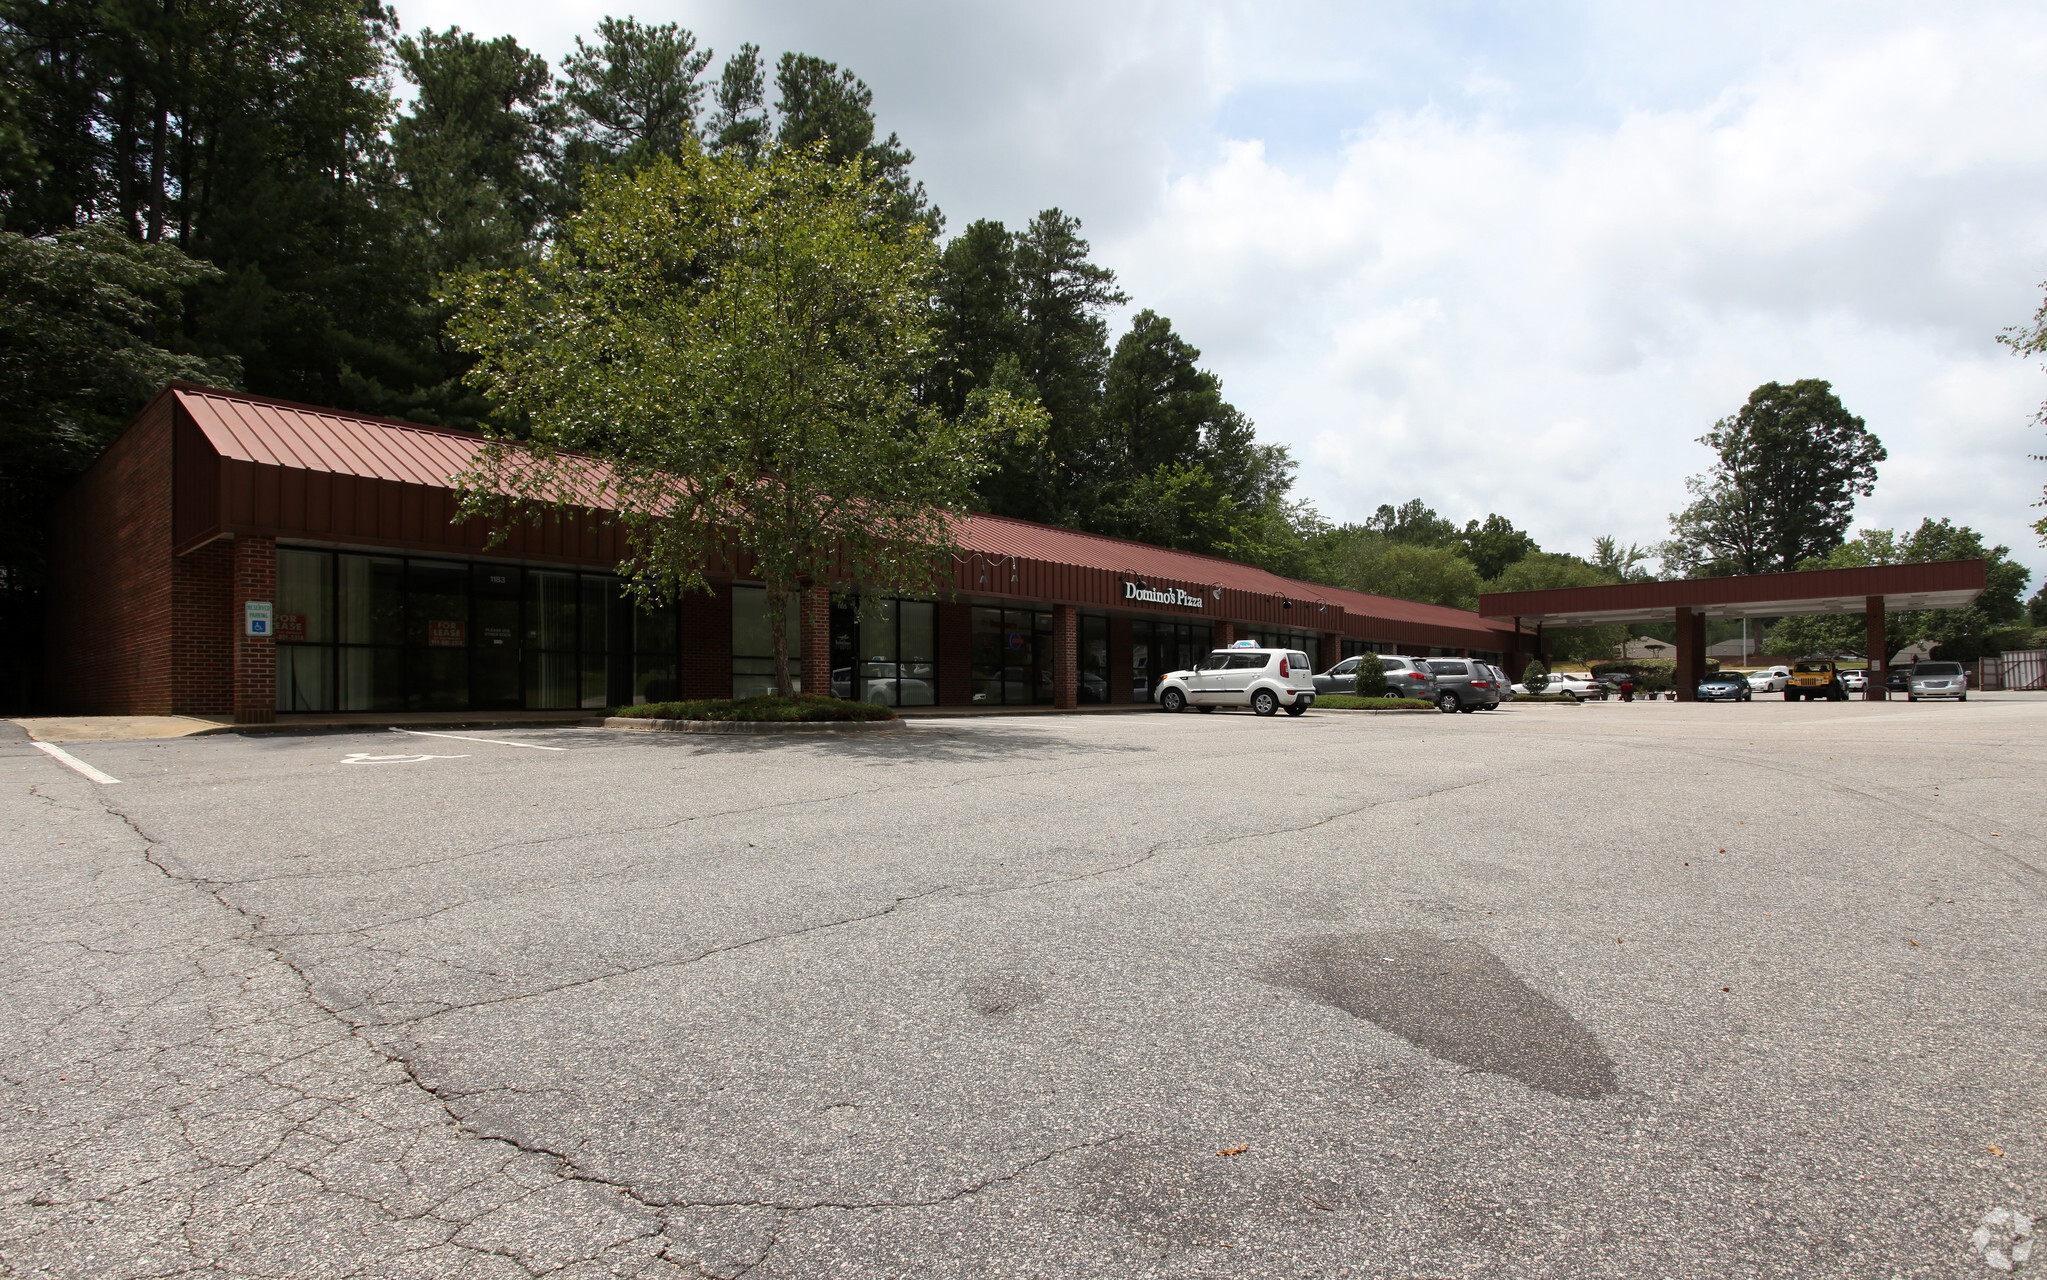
[1877,690]
[1065,657]
[1691,653]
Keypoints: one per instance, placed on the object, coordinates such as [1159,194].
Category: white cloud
[1540,320]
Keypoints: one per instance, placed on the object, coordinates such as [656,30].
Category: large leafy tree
[1959,633]
[1549,571]
[81,314]
[1494,545]
[1791,464]
[738,346]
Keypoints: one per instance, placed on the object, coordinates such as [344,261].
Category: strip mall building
[231,554]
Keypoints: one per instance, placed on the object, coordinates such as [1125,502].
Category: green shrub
[1371,677]
[1536,677]
[1652,675]
[802,707]
[1349,702]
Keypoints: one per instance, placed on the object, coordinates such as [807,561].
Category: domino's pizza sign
[257,619]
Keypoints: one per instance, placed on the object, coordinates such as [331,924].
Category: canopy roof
[1945,584]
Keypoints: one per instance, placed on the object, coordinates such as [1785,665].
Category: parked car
[1770,680]
[1571,684]
[1409,678]
[1501,683]
[1855,679]
[1265,680]
[1463,685]
[1938,680]
[1813,679]
[1725,686]
[1341,678]
[1899,679]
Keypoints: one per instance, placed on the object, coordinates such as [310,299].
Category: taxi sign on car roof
[1245,644]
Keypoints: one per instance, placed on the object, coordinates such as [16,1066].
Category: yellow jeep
[1815,678]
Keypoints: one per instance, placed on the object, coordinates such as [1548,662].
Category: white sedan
[1572,684]
[1770,680]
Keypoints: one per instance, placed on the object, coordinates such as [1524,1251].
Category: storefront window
[753,644]
[1160,647]
[898,652]
[1010,657]
[383,633]
[1094,658]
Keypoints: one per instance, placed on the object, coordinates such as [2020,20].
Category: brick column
[814,631]
[1065,657]
[255,657]
[1691,653]
[1878,688]
[1225,635]
[1332,649]
[1121,671]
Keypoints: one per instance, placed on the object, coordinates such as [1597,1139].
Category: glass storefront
[885,650]
[753,642]
[1275,638]
[1010,657]
[397,633]
[1159,647]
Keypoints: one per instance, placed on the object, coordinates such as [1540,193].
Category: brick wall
[108,620]
[203,631]
[1065,656]
[255,665]
[814,633]
[706,625]
[955,623]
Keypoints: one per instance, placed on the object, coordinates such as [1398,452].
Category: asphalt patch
[1453,998]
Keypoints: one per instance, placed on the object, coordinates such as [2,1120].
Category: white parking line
[75,762]
[502,742]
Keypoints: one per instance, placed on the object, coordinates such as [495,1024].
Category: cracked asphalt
[1614,990]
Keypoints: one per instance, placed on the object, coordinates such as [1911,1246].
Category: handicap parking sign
[256,617]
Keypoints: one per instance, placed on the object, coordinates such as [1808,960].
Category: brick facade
[109,614]
[255,664]
[706,633]
[1065,657]
[203,631]
[814,633]
[1122,672]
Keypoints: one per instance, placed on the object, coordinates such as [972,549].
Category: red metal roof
[294,437]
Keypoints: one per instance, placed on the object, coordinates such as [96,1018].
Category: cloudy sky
[1505,258]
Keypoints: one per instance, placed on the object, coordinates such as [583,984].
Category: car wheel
[1297,708]
[1962,697]
[1265,703]
[1911,697]
[1172,700]
[1447,703]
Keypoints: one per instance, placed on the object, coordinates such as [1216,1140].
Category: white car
[1770,680]
[1243,675]
[1938,680]
[1572,684]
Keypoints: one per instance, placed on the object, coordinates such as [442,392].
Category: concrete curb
[747,726]
[1375,711]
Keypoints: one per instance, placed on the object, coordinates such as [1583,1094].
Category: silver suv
[1264,680]
[1464,684]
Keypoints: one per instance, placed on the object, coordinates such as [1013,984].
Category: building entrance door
[494,662]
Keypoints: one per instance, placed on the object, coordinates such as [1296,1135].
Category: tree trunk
[778,632]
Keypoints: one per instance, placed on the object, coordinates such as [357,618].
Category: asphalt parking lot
[1612,990]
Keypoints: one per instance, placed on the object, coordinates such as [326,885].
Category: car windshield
[1251,661]
[1392,664]
[1723,678]
[1938,669]
[1449,668]
[1815,666]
